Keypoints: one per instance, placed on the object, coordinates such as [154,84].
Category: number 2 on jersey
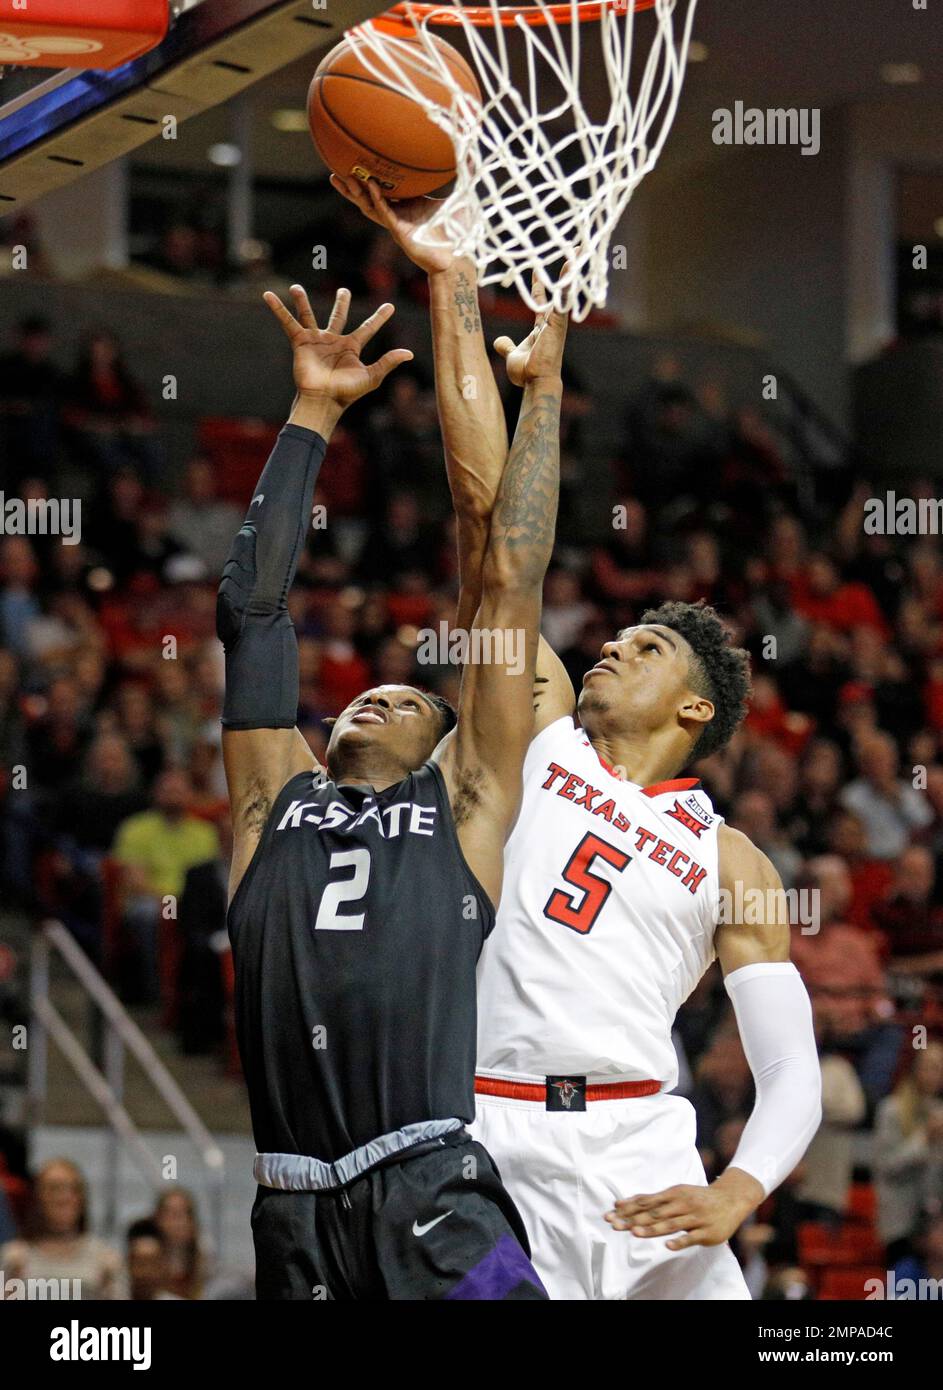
[595,889]
[348,890]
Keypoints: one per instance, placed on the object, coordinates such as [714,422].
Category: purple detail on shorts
[501,1270]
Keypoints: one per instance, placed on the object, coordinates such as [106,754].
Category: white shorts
[565,1170]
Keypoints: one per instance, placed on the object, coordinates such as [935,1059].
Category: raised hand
[327,363]
[402,220]
[541,352]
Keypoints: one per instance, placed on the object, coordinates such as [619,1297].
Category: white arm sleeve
[774,1016]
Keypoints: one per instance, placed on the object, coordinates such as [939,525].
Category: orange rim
[482,16]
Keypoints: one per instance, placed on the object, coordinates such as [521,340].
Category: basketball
[362,127]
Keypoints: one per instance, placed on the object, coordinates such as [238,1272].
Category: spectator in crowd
[107,411]
[722,1090]
[344,673]
[11,719]
[155,849]
[870,878]
[627,568]
[84,819]
[891,809]
[820,781]
[776,618]
[911,919]
[199,521]
[201,925]
[755,814]
[564,612]
[147,1273]
[925,1265]
[665,436]
[400,543]
[908,1151]
[841,966]
[405,426]
[57,741]
[32,389]
[187,1260]
[813,683]
[57,1243]
[136,721]
[575,409]
[821,597]
[828,1166]
[19,603]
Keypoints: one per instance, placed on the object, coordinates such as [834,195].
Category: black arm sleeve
[252,620]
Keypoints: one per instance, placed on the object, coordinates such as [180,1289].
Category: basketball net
[539,181]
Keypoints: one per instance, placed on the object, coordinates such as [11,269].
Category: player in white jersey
[618,876]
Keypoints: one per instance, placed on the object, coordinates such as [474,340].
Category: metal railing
[107,1086]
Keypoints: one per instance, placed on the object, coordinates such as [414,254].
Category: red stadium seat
[18,1193]
[862,1203]
[233,1066]
[849,1283]
[238,449]
[850,1245]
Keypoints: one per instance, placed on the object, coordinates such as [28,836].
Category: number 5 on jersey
[595,889]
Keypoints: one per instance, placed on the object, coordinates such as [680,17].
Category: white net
[540,179]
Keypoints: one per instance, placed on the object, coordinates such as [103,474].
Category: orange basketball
[361,127]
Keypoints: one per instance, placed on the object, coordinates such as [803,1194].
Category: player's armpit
[258,763]
[753,923]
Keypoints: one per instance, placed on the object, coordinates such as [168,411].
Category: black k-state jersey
[355,934]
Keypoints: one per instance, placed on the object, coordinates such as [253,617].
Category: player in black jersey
[362,891]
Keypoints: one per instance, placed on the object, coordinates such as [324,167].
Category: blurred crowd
[164,1256]
[111,787]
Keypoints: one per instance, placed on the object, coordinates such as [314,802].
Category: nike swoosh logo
[257,499]
[421,1230]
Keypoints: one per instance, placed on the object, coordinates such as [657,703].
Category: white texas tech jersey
[606,922]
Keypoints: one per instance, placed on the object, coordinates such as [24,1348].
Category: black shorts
[436,1223]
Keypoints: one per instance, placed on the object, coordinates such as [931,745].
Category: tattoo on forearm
[466,300]
[526,507]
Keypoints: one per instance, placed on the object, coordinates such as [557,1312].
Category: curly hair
[720,672]
[447,711]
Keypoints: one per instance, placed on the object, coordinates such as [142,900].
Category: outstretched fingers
[372,325]
[380,370]
[303,311]
[338,320]
[284,315]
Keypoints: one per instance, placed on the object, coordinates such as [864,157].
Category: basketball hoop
[540,180]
